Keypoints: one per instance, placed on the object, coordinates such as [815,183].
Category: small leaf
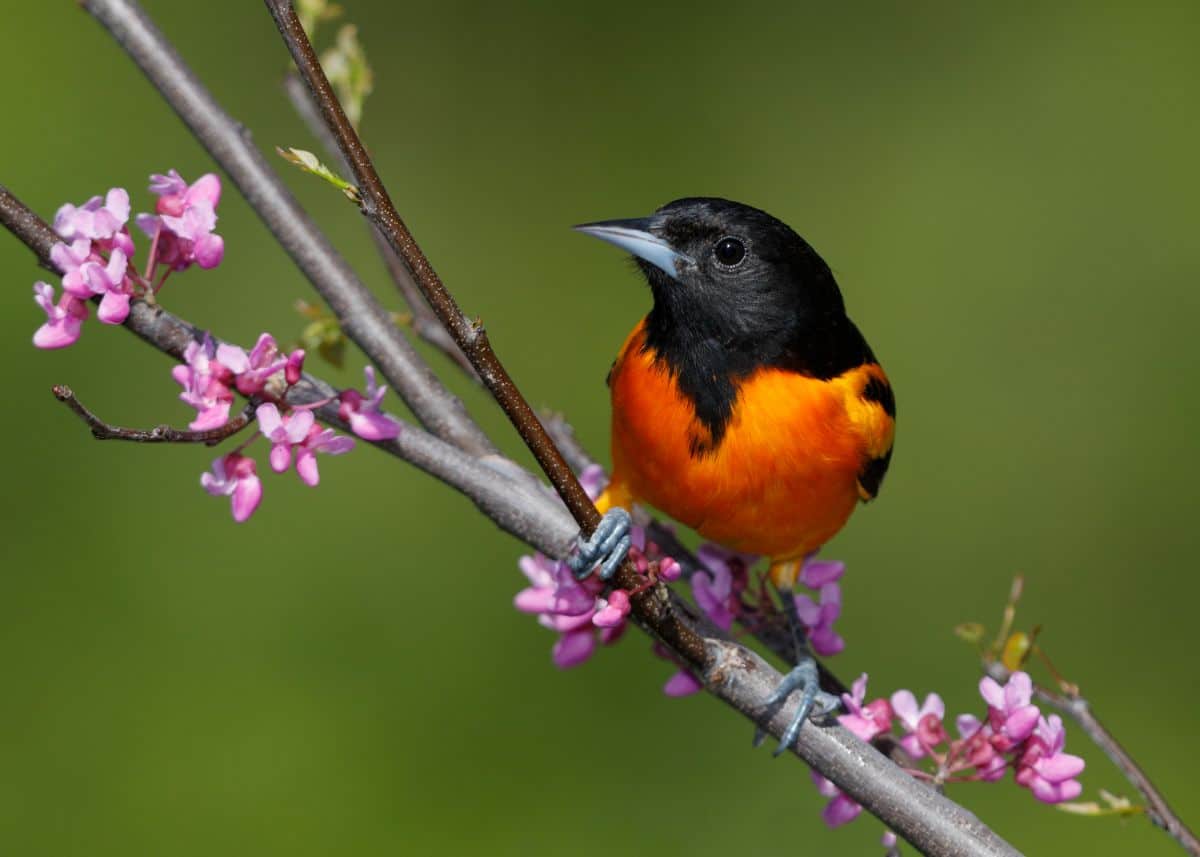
[346,66]
[1016,651]
[970,632]
[310,163]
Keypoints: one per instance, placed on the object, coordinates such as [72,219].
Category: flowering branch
[102,430]
[738,677]
[1012,648]
[360,315]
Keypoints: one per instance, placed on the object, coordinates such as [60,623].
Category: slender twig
[470,336]
[1078,709]
[360,315]
[102,430]
[424,323]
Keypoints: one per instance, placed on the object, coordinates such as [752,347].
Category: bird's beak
[634,236]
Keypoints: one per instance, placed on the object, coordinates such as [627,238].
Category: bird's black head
[736,289]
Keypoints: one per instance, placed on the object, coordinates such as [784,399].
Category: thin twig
[102,430]
[360,315]
[1078,709]
[424,323]
[470,336]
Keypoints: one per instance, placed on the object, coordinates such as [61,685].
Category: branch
[470,336]
[361,316]
[424,323]
[730,672]
[736,676]
[1078,709]
[102,430]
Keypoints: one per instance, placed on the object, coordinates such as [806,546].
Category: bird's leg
[803,677]
[608,545]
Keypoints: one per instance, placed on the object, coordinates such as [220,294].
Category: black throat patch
[709,372]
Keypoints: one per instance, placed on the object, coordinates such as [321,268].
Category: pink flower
[70,259]
[669,570]
[815,573]
[252,371]
[363,414]
[235,476]
[64,320]
[918,723]
[1044,768]
[717,587]
[682,683]
[95,219]
[109,282]
[553,589]
[319,440]
[818,617]
[1010,712]
[612,611]
[284,432]
[865,721]
[841,808]
[593,480]
[204,381]
[185,220]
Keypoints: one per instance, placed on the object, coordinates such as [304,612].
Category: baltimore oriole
[746,404]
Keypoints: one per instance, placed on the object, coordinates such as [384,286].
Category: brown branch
[102,430]
[470,336]
[424,323]
[1078,709]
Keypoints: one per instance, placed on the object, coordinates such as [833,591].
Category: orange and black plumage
[746,404]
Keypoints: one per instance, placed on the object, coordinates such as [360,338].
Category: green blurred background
[1009,199]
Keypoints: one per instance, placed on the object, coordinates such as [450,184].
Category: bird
[746,404]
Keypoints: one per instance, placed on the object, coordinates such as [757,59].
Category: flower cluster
[578,609]
[95,254]
[1014,734]
[208,378]
[94,257]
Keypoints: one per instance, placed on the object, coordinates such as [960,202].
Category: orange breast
[782,480]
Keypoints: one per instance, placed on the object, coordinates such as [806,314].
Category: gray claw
[805,678]
[609,543]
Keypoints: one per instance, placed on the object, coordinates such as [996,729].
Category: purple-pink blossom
[1044,768]
[866,720]
[96,219]
[182,229]
[205,385]
[1011,713]
[718,585]
[319,440]
[841,808]
[817,617]
[918,729]
[235,476]
[284,431]
[252,371]
[64,319]
[363,414]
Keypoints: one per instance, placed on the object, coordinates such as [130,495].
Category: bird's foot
[805,679]
[608,545]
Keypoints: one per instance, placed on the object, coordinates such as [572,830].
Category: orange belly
[781,481]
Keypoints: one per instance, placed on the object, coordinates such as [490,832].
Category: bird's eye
[729,251]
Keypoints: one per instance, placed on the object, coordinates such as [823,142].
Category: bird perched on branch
[746,404]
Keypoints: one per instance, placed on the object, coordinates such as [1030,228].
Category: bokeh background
[1009,199]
